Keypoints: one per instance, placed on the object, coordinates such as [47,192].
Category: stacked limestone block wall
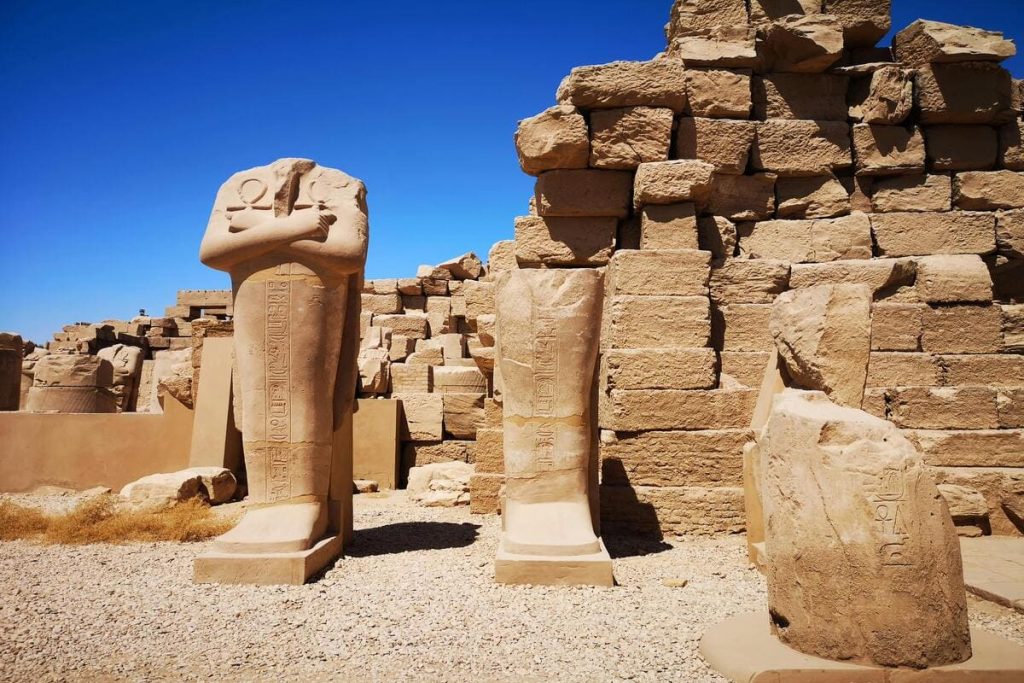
[766,150]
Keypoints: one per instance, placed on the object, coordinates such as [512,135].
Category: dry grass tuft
[100,520]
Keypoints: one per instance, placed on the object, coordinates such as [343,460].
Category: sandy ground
[413,600]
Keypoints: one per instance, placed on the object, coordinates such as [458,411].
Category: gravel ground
[413,600]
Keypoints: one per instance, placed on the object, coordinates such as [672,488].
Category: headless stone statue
[293,236]
[548,329]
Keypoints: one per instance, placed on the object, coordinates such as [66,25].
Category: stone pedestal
[548,324]
[267,569]
[743,650]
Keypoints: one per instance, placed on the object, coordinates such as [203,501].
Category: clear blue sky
[120,120]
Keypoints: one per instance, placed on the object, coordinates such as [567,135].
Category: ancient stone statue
[548,329]
[293,235]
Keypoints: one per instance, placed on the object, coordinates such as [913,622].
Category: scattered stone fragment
[556,138]
[928,42]
[886,97]
[802,43]
[444,484]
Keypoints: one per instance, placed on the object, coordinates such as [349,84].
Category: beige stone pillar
[548,326]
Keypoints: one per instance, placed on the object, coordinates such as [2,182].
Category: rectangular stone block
[660,273]
[961,148]
[990,370]
[920,234]
[463,414]
[479,298]
[411,379]
[484,493]
[962,329]
[718,93]
[412,325]
[564,241]
[1010,404]
[657,83]
[628,411]
[659,322]
[745,281]
[799,148]
[811,197]
[723,143]
[672,182]
[490,454]
[970,448]
[742,327]
[878,274]
[912,193]
[808,241]
[744,367]
[661,368]
[717,235]
[1013,328]
[1011,145]
[459,380]
[1010,234]
[674,458]
[657,510]
[897,327]
[953,278]
[419,453]
[963,93]
[888,150]
[622,139]
[584,192]
[743,197]
[943,407]
[422,417]
[996,485]
[819,97]
[889,369]
[864,22]
[988,190]
[439,315]
[669,226]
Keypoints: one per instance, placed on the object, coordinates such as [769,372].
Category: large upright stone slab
[71,384]
[823,334]
[549,323]
[11,355]
[863,559]
[293,236]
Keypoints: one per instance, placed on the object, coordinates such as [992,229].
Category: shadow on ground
[629,546]
[408,536]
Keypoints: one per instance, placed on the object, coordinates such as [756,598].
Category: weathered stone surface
[459,380]
[920,234]
[673,458]
[668,226]
[215,484]
[955,278]
[625,138]
[824,337]
[660,273]
[718,93]
[638,322]
[801,148]
[757,281]
[1013,328]
[670,182]
[888,150]
[693,16]
[813,241]
[412,378]
[989,191]
[969,92]
[422,416]
[661,369]
[743,197]
[744,368]
[716,235]
[811,197]
[484,490]
[381,303]
[990,370]
[1011,145]
[1003,489]
[877,274]
[970,448]
[126,362]
[412,325]
[898,369]
[885,98]
[961,148]
[584,193]
[463,267]
[864,22]
[463,414]
[61,370]
[731,46]
[742,327]
[896,327]
[928,42]
[854,522]
[943,407]
[723,143]
[802,44]
[964,503]
[658,409]
[819,97]
[655,511]
[555,138]
[374,371]
[657,83]
[912,193]
[443,484]
[502,256]
[564,241]
[962,329]
[764,11]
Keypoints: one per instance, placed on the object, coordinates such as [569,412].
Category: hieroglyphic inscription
[545,375]
[278,396]
[887,500]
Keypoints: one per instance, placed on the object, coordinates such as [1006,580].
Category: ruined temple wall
[763,152]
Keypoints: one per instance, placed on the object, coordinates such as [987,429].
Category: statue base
[743,649]
[554,570]
[266,569]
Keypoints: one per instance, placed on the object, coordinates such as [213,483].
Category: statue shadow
[629,525]
[403,537]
